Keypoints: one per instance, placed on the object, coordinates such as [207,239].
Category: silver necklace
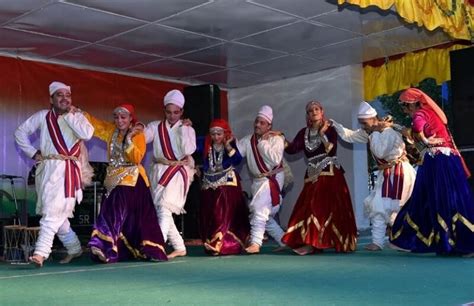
[117,150]
[312,139]
[216,157]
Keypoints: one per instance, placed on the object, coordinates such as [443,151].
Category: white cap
[266,113]
[366,111]
[55,86]
[174,97]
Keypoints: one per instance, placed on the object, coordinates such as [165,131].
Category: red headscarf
[127,108]
[216,123]
[308,105]
[413,95]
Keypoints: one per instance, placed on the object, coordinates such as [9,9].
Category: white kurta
[261,209]
[389,146]
[183,142]
[171,199]
[51,172]
[52,204]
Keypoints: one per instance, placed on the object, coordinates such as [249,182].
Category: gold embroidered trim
[218,237]
[348,243]
[429,239]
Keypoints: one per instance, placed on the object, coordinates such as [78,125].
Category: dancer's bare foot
[372,247]
[37,260]
[98,252]
[253,249]
[177,253]
[304,250]
[281,248]
[394,247]
[70,257]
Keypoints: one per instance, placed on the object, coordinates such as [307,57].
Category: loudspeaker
[100,171]
[86,213]
[462,87]
[190,221]
[202,105]
[469,160]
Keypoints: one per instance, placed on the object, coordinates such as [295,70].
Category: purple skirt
[224,220]
[127,225]
[439,215]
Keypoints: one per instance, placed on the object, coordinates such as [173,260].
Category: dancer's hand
[136,129]
[73,109]
[433,140]
[187,122]
[38,157]
[228,142]
[272,133]
[324,128]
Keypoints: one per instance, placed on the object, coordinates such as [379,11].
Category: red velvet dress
[224,216]
[322,216]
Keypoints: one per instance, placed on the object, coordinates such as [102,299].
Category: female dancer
[224,221]
[127,225]
[322,217]
[439,216]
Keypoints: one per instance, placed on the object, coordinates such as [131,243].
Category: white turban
[266,113]
[55,86]
[366,111]
[174,97]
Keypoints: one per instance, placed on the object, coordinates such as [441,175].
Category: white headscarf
[366,111]
[55,86]
[266,113]
[174,97]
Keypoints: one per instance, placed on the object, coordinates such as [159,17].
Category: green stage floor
[362,278]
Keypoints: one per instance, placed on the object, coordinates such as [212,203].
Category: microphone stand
[17,213]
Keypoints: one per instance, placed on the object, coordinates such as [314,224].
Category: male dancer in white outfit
[264,153]
[58,172]
[395,178]
[174,140]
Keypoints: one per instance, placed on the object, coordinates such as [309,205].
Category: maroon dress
[322,216]
[224,215]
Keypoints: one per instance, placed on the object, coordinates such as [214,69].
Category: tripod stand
[20,218]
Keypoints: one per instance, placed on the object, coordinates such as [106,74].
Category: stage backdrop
[24,90]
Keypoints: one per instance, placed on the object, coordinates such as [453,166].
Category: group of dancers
[427,210]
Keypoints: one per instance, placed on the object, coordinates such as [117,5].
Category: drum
[30,237]
[19,243]
[13,239]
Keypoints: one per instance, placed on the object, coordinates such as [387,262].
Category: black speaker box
[462,87]
[202,106]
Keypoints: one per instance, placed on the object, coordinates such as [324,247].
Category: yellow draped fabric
[408,71]
[455,17]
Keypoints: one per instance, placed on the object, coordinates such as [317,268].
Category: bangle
[231,152]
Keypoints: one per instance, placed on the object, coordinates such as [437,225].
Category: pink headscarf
[413,95]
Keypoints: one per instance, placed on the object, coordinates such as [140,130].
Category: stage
[363,278]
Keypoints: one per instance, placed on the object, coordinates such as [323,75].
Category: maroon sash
[389,189]
[169,155]
[72,180]
[274,187]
